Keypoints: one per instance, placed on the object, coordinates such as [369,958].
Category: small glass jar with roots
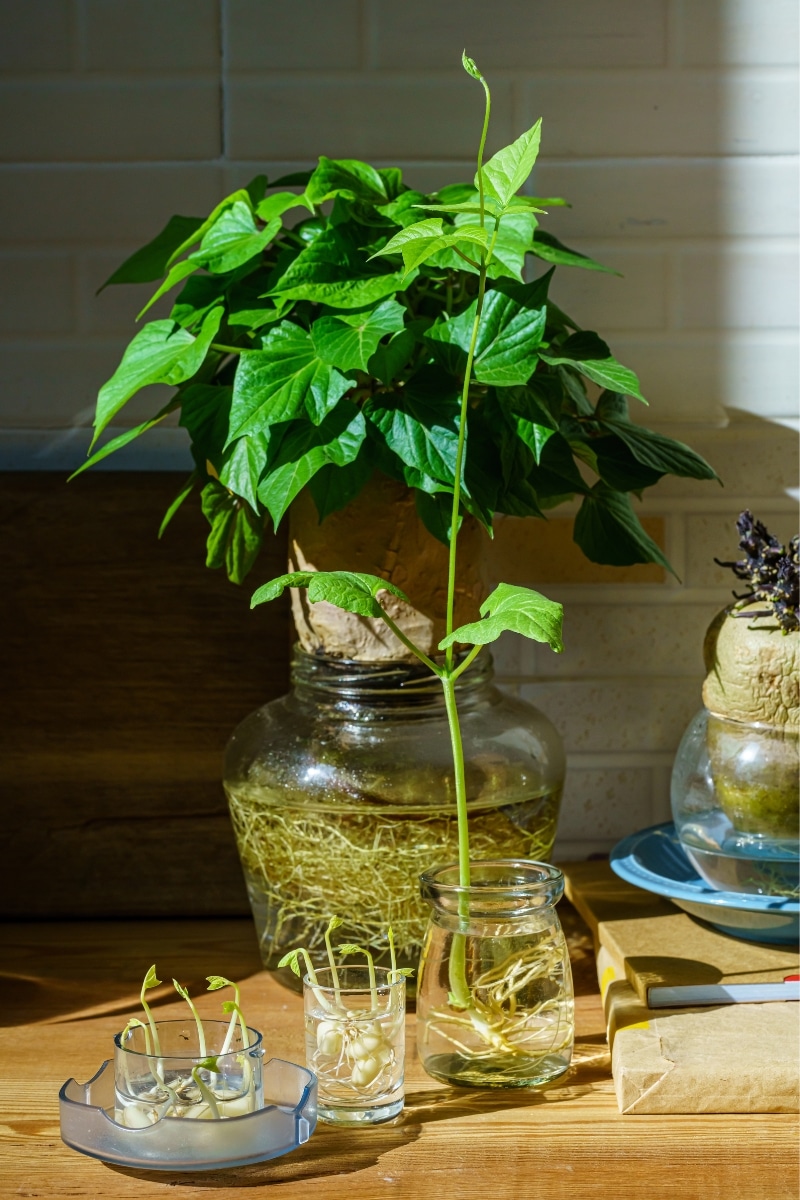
[494,998]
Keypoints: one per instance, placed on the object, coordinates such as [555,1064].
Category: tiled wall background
[671,125]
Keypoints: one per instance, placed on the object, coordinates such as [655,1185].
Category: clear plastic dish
[286,1121]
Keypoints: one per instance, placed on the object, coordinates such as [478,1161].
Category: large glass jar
[494,1002]
[341,795]
[735,802]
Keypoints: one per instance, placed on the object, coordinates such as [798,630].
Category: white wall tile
[734,32]
[637,300]
[36,35]
[643,642]
[521,34]
[65,449]
[305,35]
[152,36]
[114,311]
[662,808]
[751,456]
[672,198]
[613,715]
[669,124]
[616,114]
[713,535]
[605,802]
[54,385]
[695,378]
[100,204]
[368,118]
[37,294]
[80,121]
[731,287]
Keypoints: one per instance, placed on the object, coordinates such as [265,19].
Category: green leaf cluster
[508,609]
[319,332]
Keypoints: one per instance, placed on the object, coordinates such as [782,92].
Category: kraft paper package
[736,1058]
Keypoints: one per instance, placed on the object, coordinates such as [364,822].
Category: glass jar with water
[341,795]
[735,793]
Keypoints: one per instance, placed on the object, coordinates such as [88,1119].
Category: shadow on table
[28,998]
[333,1151]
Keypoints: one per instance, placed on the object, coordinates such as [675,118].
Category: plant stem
[466,663]
[449,686]
[232,1024]
[206,1093]
[373,987]
[449,675]
[334,973]
[201,1035]
[398,633]
[482,146]
[135,1023]
[151,1021]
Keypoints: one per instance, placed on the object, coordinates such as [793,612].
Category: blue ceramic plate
[654,860]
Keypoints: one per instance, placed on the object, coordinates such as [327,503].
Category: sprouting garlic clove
[366,1070]
[369,1042]
[329,1037]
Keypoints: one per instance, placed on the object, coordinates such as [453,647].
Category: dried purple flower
[771,570]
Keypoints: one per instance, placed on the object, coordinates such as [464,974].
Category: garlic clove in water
[370,1039]
[329,1037]
[366,1070]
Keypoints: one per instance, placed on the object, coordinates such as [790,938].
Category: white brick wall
[671,125]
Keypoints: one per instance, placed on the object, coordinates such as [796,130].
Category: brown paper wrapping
[380,533]
[735,1058]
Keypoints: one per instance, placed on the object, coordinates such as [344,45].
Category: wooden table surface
[67,988]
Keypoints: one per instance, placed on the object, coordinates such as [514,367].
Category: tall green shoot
[215,982]
[507,608]
[151,981]
[334,923]
[201,1035]
[351,948]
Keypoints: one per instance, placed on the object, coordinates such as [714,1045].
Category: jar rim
[168,1054]
[384,987]
[541,875]
[349,679]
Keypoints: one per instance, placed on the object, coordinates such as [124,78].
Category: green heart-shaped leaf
[280,381]
[514,609]
[349,590]
[150,262]
[608,531]
[303,450]
[160,353]
[590,355]
[504,173]
[349,341]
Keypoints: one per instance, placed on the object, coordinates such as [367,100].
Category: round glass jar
[735,802]
[494,997]
[341,794]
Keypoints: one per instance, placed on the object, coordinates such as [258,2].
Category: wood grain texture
[127,666]
[69,987]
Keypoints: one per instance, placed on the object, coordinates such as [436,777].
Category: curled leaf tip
[150,979]
[208,1064]
[470,66]
[290,960]
[349,948]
